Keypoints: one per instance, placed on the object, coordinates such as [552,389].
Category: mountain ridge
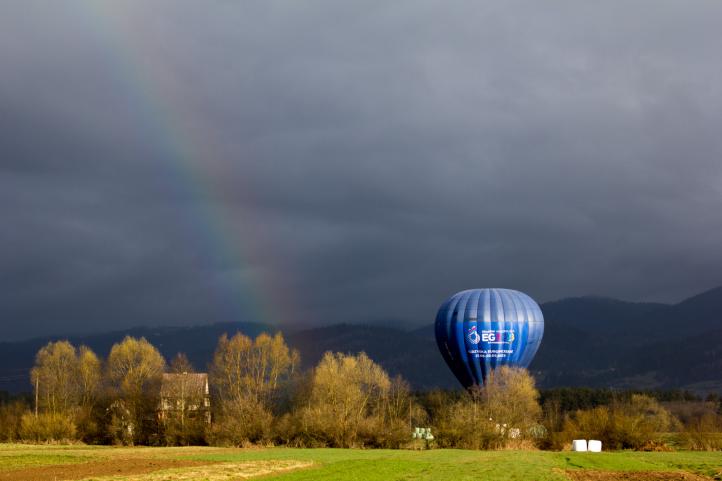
[590,341]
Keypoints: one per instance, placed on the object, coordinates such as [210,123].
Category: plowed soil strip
[587,475]
[113,467]
[217,472]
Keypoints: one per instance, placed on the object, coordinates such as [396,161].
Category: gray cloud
[189,162]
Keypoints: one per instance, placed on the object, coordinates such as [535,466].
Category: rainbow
[193,169]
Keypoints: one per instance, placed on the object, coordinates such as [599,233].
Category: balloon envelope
[479,330]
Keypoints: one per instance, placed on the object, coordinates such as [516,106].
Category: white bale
[595,446]
[579,445]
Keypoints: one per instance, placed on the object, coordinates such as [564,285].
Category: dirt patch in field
[587,475]
[94,469]
[217,472]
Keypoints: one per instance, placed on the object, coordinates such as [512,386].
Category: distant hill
[604,342]
[588,341]
[600,314]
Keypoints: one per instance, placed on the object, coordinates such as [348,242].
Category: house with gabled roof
[185,395]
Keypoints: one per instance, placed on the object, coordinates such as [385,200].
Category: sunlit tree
[55,377]
[134,369]
[346,391]
[247,376]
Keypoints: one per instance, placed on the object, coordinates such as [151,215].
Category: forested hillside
[588,341]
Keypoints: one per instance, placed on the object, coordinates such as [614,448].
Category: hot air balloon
[478,330]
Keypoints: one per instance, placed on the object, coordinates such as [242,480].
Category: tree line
[258,395]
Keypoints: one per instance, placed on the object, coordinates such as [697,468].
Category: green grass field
[23,462]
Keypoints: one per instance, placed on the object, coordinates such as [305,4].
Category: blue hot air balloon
[480,329]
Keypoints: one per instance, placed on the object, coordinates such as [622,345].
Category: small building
[185,395]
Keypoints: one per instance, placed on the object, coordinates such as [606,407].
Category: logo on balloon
[473,336]
[498,337]
[490,336]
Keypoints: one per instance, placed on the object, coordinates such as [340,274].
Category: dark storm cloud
[179,163]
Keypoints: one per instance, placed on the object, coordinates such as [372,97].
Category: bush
[47,427]
[463,426]
[286,431]
[388,434]
[240,423]
[703,433]
[634,424]
[10,421]
[91,424]
[190,432]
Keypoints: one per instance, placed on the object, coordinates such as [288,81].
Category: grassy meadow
[25,463]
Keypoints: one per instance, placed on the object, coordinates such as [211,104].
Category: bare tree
[66,383]
[510,398]
[89,376]
[247,375]
[135,368]
[346,391]
[133,364]
[181,364]
[243,368]
[55,377]
[230,367]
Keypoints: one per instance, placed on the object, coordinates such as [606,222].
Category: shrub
[240,423]
[703,433]
[462,425]
[47,427]
[634,424]
[10,421]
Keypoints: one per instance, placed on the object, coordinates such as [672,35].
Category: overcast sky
[301,162]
